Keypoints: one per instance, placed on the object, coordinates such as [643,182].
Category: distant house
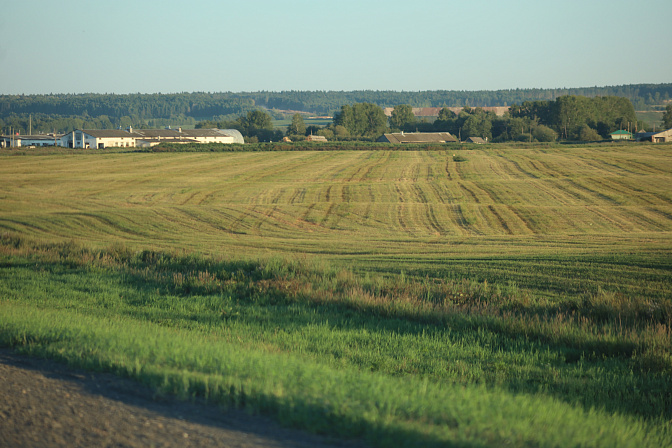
[316,138]
[621,135]
[418,137]
[477,140]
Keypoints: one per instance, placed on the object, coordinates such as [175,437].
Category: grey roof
[110,133]
[34,137]
[163,133]
[476,140]
[202,133]
[168,139]
[418,137]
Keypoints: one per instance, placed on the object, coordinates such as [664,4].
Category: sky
[167,46]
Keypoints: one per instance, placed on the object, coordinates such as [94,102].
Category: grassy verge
[396,361]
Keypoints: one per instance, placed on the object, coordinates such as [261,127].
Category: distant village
[147,138]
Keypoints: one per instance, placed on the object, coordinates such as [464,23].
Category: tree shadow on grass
[614,393]
[240,300]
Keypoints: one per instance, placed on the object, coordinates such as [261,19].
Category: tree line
[642,96]
[574,118]
[65,112]
[142,106]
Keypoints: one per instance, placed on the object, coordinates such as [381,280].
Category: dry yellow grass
[352,206]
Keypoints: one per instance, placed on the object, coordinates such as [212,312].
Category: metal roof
[419,137]
[476,140]
[110,133]
[34,137]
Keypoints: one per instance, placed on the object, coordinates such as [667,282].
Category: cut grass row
[393,361]
[539,277]
[368,197]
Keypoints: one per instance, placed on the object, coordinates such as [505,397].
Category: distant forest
[65,112]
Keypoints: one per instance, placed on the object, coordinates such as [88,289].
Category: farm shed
[662,137]
[477,140]
[418,137]
[15,141]
[655,137]
[316,138]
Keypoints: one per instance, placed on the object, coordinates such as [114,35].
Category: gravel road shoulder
[46,404]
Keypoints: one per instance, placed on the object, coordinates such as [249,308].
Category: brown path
[46,404]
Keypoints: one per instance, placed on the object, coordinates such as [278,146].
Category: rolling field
[517,296]
[502,215]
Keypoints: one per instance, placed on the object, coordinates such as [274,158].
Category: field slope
[476,298]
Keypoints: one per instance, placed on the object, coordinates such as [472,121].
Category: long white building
[130,138]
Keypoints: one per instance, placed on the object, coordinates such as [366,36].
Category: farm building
[144,138]
[418,137]
[152,137]
[100,139]
[477,140]
[621,135]
[662,137]
[655,137]
[316,138]
[16,141]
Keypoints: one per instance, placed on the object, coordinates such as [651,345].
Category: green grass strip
[346,402]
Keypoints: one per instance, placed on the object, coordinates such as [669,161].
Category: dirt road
[45,404]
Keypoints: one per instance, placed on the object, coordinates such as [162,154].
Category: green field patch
[153,315]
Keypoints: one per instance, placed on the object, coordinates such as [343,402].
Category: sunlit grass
[514,295]
[392,361]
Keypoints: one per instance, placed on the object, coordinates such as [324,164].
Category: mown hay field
[491,297]
[553,219]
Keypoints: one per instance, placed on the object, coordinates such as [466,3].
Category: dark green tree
[346,118]
[446,114]
[446,121]
[543,133]
[257,120]
[402,117]
[298,126]
[477,125]
[363,120]
[667,117]
[588,134]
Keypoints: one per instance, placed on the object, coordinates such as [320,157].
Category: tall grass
[350,403]
[388,359]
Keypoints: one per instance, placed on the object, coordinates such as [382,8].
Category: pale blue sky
[124,46]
